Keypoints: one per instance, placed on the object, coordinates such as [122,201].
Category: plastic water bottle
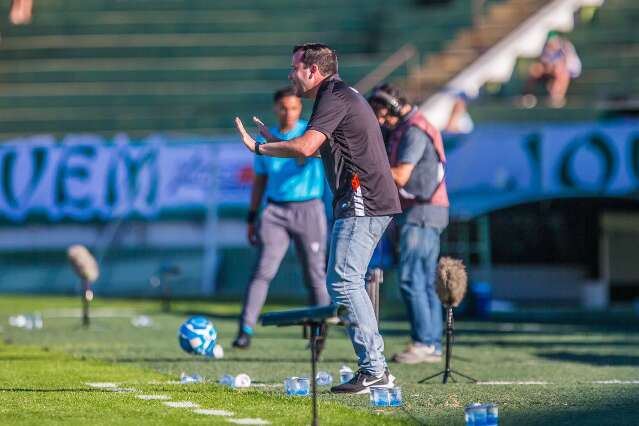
[345,374]
[38,323]
[380,397]
[141,321]
[227,380]
[186,378]
[18,321]
[242,381]
[395,395]
[481,415]
[218,351]
[492,415]
[297,386]
[323,379]
[28,322]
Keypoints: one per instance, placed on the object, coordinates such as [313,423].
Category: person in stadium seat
[294,210]
[417,160]
[557,65]
[345,131]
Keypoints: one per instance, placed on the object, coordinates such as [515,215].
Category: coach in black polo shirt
[345,130]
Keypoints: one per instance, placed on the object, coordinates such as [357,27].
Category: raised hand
[249,142]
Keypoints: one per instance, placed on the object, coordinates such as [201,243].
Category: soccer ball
[198,336]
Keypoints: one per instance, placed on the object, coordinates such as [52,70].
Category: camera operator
[417,158]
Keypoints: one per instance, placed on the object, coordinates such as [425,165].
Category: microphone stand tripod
[87,296]
[448,371]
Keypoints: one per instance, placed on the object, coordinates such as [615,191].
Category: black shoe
[362,382]
[242,341]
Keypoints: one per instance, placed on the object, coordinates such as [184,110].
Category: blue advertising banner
[502,165]
[87,177]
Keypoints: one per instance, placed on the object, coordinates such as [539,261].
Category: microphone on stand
[452,282]
[86,268]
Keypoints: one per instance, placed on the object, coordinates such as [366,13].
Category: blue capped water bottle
[345,374]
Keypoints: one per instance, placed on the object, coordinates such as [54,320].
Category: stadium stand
[141,66]
[602,37]
[468,44]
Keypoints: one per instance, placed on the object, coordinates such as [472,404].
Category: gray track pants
[305,223]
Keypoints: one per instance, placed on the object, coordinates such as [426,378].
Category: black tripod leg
[448,371]
[86,288]
[464,376]
[431,377]
[315,331]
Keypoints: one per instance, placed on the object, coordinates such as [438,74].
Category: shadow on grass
[386,331]
[537,343]
[593,359]
[620,411]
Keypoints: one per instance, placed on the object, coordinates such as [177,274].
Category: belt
[285,203]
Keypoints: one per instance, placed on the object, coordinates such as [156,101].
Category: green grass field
[584,369]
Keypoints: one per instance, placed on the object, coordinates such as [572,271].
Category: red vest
[440,196]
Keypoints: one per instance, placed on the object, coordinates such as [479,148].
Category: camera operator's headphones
[393,104]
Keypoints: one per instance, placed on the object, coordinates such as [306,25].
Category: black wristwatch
[257,148]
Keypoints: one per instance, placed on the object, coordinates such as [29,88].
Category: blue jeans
[419,250]
[352,243]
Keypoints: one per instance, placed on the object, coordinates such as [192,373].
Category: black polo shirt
[354,156]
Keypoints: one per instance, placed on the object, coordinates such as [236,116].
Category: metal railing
[407,54]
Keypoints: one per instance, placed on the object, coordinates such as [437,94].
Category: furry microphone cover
[452,281]
[83,263]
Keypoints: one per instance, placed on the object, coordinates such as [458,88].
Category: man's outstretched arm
[303,146]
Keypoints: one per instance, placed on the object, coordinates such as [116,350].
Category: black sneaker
[362,382]
[242,341]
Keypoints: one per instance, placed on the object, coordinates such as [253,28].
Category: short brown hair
[319,54]
[283,93]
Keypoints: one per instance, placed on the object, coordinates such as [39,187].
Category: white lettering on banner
[85,177]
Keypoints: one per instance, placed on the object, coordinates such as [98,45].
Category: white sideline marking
[249,421]
[514,383]
[103,385]
[208,412]
[122,389]
[181,404]
[153,397]
[616,382]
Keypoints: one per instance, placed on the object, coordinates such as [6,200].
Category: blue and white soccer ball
[197,335]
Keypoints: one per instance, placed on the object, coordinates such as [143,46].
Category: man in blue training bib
[294,210]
